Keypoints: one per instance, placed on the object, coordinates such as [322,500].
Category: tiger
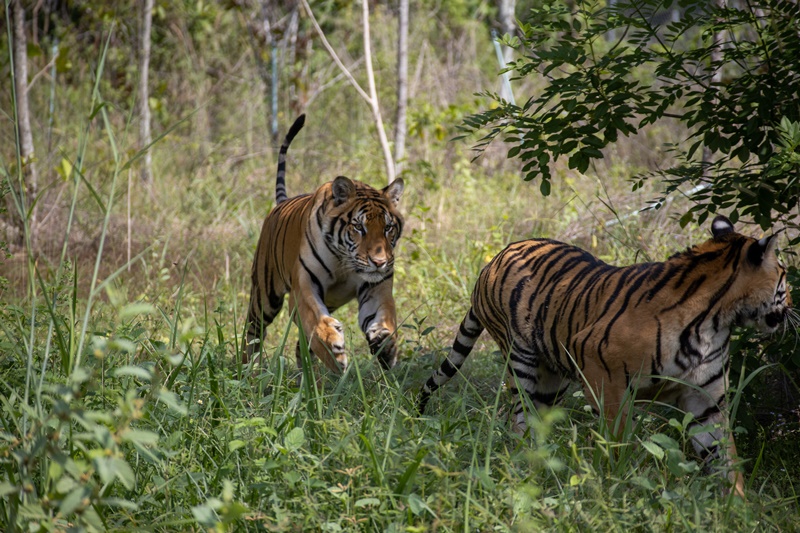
[324,249]
[651,329]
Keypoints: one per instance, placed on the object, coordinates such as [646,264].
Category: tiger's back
[561,314]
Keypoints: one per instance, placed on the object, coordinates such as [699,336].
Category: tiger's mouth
[370,272]
[374,275]
[773,319]
[765,323]
[769,322]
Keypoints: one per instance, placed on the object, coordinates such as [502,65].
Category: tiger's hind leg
[468,332]
[543,387]
[264,307]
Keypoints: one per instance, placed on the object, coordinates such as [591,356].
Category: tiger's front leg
[325,333]
[378,321]
[709,409]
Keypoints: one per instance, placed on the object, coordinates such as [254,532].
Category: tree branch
[372,97]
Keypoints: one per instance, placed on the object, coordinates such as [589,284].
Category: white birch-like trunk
[402,85]
[144,94]
[373,95]
[31,177]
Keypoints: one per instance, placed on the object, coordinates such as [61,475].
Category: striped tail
[280,179]
[468,333]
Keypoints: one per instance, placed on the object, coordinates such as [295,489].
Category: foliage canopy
[727,71]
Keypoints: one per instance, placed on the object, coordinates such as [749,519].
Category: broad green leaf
[7,488]
[236,444]
[135,371]
[205,516]
[654,449]
[136,309]
[140,436]
[365,502]
[295,439]
[74,500]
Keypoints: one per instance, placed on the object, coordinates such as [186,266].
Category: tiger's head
[763,296]
[367,227]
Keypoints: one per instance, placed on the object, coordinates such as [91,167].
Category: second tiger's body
[560,315]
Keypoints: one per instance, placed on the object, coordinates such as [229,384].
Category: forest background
[129,232]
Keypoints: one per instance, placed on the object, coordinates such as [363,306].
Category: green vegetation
[123,404]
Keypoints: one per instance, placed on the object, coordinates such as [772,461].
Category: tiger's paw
[382,342]
[328,344]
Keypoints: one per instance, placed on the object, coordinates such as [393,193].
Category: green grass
[135,413]
[174,434]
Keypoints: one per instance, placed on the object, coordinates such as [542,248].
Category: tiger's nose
[378,262]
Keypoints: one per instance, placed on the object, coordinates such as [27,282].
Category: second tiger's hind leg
[540,384]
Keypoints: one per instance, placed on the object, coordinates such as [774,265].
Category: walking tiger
[560,314]
[324,249]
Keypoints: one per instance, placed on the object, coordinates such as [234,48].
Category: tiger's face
[768,302]
[369,227]
[374,233]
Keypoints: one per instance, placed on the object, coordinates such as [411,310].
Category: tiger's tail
[280,179]
[468,332]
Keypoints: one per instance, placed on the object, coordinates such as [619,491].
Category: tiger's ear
[760,249]
[394,191]
[343,189]
[721,226]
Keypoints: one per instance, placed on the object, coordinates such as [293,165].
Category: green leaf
[74,500]
[295,439]
[236,444]
[171,400]
[668,443]
[644,482]
[365,502]
[136,309]
[654,449]
[124,473]
[205,516]
[135,371]
[418,506]
[7,488]
[140,436]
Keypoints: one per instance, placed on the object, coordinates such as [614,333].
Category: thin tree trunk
[716,79]
[402,85]
[506,10]
[508,25]
[31,177]
[373,94]
[144,94]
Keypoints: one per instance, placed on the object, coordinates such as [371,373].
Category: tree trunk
[508,25]
[144,94]
[373,94]
[24,122]
[506,10]
[402,85]
[716,79]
